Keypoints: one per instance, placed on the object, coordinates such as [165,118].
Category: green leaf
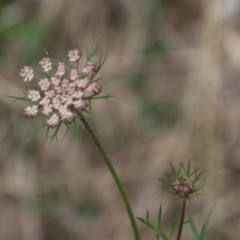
[173,170]
[189,167]
[193,228]
[147,222]
[180,169]
[159,217]
[68,129]
[34,132]
[100,63]
[147,217]
[168,175]
[175,223]
[205,225]
[164,182]
[163,235]
[76,133]
[106,97]
[54,135]
[45,51]
[185,170]
[17,98]
[142,220]
[90,53]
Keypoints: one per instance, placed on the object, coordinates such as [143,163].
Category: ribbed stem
[181,220]
[113,172]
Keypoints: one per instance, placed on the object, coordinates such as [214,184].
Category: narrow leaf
[17,98]
[147,217]
[164,236]
[173,170]
[205,225]
[142,220]
[193,228]
[159,217]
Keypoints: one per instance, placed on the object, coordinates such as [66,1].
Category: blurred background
[176,68]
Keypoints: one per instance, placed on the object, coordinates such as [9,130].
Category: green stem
[113,172]
[181,220]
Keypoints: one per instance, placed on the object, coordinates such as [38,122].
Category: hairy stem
[113,172]
[181,220]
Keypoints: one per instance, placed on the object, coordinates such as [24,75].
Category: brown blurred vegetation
[175,66]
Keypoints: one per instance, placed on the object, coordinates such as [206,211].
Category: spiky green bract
[193,175]
[34,132]
[200,235]
[17,98]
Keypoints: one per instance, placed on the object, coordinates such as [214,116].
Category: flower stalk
[182,219]
[113,172]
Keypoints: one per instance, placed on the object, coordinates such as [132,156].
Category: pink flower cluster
[61,92]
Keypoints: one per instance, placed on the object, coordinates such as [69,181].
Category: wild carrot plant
[62,94]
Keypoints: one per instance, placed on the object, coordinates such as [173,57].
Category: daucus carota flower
[53,121]
[46,64]
[27,74]
[80,104]
[47,109]
[74,55]
[60,94]
[73,74]
[89,69]
[61,70]
[55,81]
[94,89]
[31,111]
[44,84]
[33,95]
[83,83]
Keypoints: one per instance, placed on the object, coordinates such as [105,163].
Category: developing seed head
[182,186]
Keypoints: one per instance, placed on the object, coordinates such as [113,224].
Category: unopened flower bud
[94,89]
[183,186]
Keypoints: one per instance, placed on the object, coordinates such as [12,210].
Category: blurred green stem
[113,172]
[181,220]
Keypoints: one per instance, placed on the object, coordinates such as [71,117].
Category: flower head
[74,55]
[31,111]
[53,121]
[80,104]
[73,74]
[55,81]
[94,89]
[46,64]
[44,84]
[183,183]
[61,94]
[183,186]
[83,83]
[61,70]
[33,95]
[89,69]
[27,74]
